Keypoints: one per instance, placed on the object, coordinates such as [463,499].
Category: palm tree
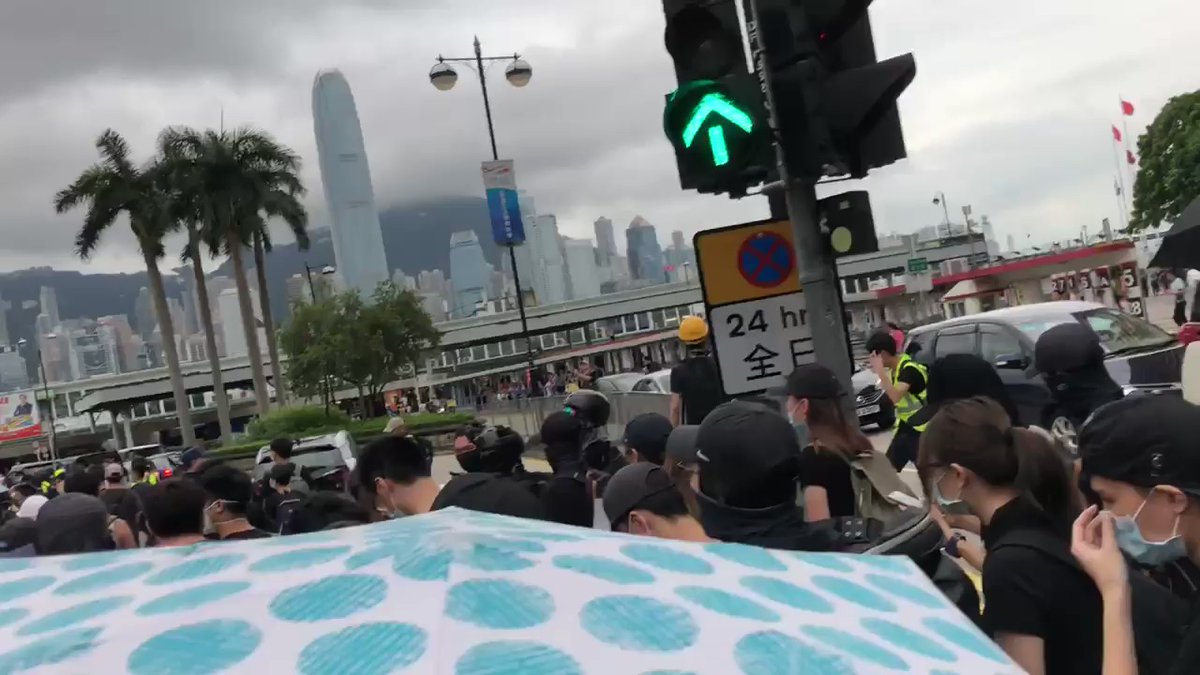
[288,208]
[179,173]
[242,178]
[115,186]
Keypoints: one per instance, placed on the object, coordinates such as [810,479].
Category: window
[960,342]
[645,384]
[995,342]
[1118,331]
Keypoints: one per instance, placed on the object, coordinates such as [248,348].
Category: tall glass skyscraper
[346,176]
[645,253]
[469,274]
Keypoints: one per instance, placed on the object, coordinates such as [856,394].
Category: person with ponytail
[1041,608]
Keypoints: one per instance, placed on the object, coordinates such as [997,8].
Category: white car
[658,382]
[331,451]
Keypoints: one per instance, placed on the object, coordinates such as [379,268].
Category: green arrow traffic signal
[715,104]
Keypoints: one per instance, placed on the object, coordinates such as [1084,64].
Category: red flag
[1129,157]
[1116,134]
[1126,107]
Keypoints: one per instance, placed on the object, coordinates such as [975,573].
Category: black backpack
[1160,618]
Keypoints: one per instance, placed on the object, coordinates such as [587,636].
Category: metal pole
[312,292]
[49,406]
[512,249]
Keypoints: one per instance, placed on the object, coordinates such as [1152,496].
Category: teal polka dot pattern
[639,623]
[366,649]
[211,647]
[479,594]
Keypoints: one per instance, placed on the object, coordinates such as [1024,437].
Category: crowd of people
[1088,551]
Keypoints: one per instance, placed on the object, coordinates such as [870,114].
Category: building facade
[645,254]
[470,274]
[346,178]
[583,275]
[606,241]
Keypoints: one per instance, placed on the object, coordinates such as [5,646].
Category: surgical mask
[209,526]
[955,507]
[800,426]
[1150,553]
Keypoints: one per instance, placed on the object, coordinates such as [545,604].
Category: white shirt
[31,506]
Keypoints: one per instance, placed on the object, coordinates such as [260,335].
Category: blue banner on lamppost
[500,181]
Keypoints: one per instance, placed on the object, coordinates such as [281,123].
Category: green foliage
[295,421]
[1169,154]
[359,344]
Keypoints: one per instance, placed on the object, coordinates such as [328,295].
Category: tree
[179,161]
[243,178]
[108,189]
[363,344]
[286,206]
[1169,154]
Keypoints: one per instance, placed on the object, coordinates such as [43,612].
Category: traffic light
[847,224]
[715,119]
[835,104]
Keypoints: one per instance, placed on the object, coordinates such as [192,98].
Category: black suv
[1139,355]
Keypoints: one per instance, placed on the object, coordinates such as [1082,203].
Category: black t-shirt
[826,469]
[913,377]
[696,381]
[1187,661]
[1039,593]
[252,533]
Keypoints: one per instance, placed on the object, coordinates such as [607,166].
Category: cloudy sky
[1010,110]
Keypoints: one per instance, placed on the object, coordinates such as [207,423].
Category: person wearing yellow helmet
[695,383]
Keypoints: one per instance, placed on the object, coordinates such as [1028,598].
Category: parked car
[1138,355]
[658,382]
[327,459]
[615,384]
[872,406]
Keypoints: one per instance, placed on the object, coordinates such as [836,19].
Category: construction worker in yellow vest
[903,380]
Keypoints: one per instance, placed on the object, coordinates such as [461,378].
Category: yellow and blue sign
[744,262]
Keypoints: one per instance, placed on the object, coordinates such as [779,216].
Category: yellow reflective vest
[910,403]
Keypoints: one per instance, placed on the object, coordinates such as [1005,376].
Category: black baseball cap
[490,493]
[631,486]
[813,380]
[742,447]
[647,433]
[681,444]
[1144,440]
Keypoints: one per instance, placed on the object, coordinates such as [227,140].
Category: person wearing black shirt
[814,400]
[1041,609]
[695,383]
[227,494]
[1138,455]
[903,381]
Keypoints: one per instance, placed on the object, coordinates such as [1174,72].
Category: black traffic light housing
[834,103]
[716,118]
[847,224]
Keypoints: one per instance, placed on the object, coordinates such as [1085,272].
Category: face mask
[955,507]
[801,427]
[1151,553]
[209,527]
[470,461]
[390,511]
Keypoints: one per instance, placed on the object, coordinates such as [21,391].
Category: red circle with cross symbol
[765,260]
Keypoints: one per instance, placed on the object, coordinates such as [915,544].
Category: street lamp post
[940,199]
[518,74]
[312,293]
[46,393]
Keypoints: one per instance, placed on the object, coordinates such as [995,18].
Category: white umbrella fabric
[477,594]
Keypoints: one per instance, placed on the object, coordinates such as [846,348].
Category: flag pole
[1120,186]
[1125,140]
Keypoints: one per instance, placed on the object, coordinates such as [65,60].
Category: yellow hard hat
[693,329]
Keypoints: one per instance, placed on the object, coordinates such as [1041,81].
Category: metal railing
[525,415]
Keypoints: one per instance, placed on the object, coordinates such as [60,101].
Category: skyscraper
[606,241]
[346,177]
[143,314]
[231,322]
[644,252]
[583,275]
[49,301]
[469,274]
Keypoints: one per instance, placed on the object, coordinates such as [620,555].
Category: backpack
[1160,618]
[286,513]
[879,493]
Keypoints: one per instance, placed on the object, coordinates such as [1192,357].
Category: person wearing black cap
[680,464]
[749,460]
[642,499]
[1071,359]
[192,460]
[645,438]
[1139,457]
[565,495]
[814,400]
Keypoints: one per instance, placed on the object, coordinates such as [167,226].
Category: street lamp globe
[443,77]
[518,73]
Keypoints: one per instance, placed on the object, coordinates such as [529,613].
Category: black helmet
[493,450]
[590,407]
